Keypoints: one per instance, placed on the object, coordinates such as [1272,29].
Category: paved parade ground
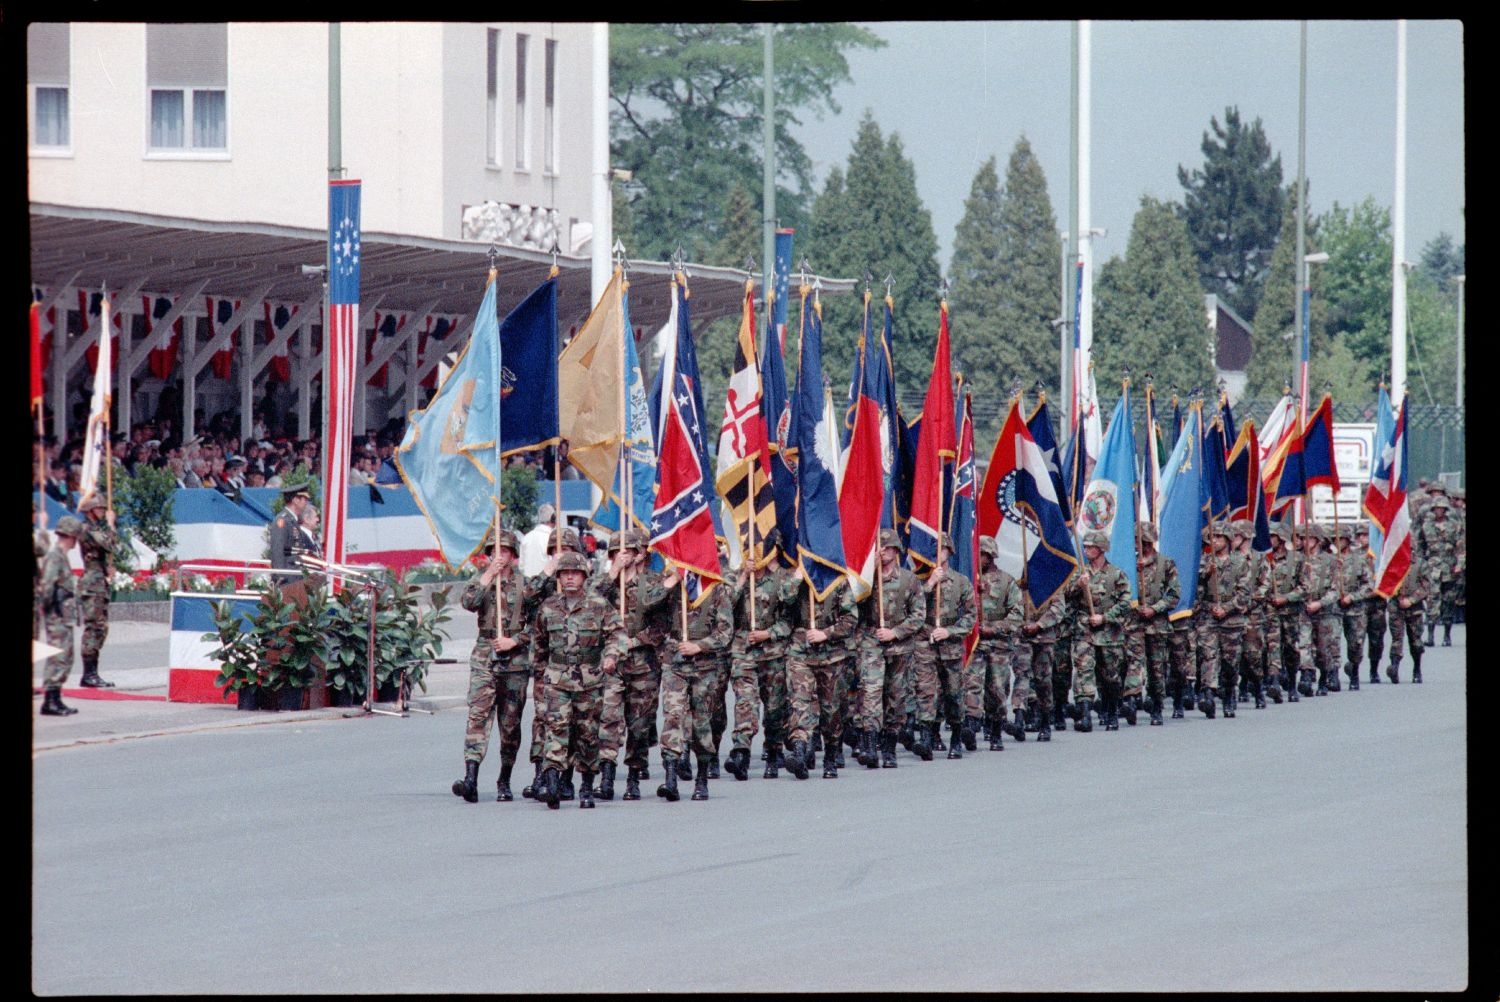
[1313,846]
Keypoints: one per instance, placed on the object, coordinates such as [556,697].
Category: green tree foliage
[1274,355]
[1148,313]
[1441,260]
[144,501]
[870,219]
[688,110]
[1358,275]
[622,220]
[519,494]
[739,231]
[1233,208]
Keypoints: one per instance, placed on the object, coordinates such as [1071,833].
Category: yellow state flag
[590,383]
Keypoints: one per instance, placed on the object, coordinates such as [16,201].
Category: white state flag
[96,439]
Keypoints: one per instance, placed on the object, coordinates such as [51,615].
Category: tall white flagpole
[1398,227]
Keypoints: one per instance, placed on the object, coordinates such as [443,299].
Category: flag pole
[38,408]
[106,345]
[682,590]
[625,477]
[754,463]
[500,616]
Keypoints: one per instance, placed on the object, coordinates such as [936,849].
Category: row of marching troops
[599,653]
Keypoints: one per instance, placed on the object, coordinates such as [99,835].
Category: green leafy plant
[144,502]
[518,492]
[236,653]
[346,632]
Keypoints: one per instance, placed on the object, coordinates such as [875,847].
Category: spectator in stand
[234,475]
[387,474]
[359,470]
[276,479]
[534,543]
[56,485]
[178,466]
[255,478]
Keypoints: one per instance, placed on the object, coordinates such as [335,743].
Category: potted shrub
[345,632]
[240,672]
[288,641]
[407,639]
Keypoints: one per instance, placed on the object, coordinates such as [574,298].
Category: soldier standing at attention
[59,610]
[1001,612]
[1405,611]
[815,669]
[97,545]
[1100,596]
[1438,541]
[578,640]
[1374,605]
[286,534]
[941,679]
[1320,586]
[630,695]
[885,653]
[758,661]
[499,666]
[1148,629]
[1355,590]
[690,680]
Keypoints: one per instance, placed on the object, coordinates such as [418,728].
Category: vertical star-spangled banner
[341,366]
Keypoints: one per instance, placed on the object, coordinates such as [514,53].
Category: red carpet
[105,694]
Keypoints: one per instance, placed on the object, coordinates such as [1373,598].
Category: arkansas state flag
[1385,503]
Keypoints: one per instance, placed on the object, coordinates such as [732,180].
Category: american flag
[341,369]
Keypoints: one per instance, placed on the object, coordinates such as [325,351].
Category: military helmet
[1148,533]
[890,537]
[945,541]
[1457,494]
[1439,488]
[1224,529]
[68,526]
[628,539]
[1096,538]
[1245,528]
[91,502]
[1344,531]
[569,539]
[1439,501]
[507,539]
[987,545]
[1282,531]
[1361,528]
[573,561]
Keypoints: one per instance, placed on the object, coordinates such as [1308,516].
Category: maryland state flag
[743,477]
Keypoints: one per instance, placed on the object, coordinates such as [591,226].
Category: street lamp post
[1306,299]
[1458,385]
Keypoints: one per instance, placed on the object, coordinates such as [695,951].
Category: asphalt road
[1316,846]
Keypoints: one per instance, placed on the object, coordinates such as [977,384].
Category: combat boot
[700,782]
[971,733]
[1244,693]
[1260,695]
[1322,682]
[1059,719]
[1353,678]
[91,679]
[1331,679]
[529,791]
[830,762]
[586,791]
[565,788]
[713,767]
[909,735]
[606,780]
[852,737]
[1374,675]
[684,768]
[1231,694]
[547,788]
[1189,695]
[773,764]
[1085,720]
[632,784]
[1131,710]
[468,787]
[1112,713]
[1017,728]
[1156,720]
[810,760]
[738,764]
[888,751]
[1177,702]
[1430,628]
[936,737]
[872,741]
[53,706]
[838,755]
[956,741]
[1033,715]
[1447,636]
[668,788]
[796,759]
[1044,731]
[1273,691]
[1416,668]
[997,735]
[919,747]
[502,785]
[1305,682]
[1206,702]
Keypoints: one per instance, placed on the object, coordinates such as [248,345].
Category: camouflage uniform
[1439,544]
[1355,588]
[1223,581]
[498,681]
[885,668]
[688,682]
[1062,660]
[941,678]
[1099,651]
[60,609]
[575,637]
[1147,640]
[1256,663]
[757,672]
[1406,623]
[96,545]
[1288,637]
[1001,612]
[628,715]
[1034,657]
[1320,584]
[815,671]
[1374,607]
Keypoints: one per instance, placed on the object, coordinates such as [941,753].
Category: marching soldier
[1405,611]
[1100,596]
[1001,612]
[578,640]
[689,682]
[1288,637]
[1439,542]
[1374,605]
[941,679]
[1321,608]
[885,654]
[815,669]
[1223,601]
[1149,627]
[758,661]
[97,545]
[1458,509]
[499,665]
[559,541]
[1034,657]
[630,695]
[1258,664]
[59,610]
[1355,589]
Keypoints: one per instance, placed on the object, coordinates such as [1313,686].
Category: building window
[550,108]
[492,98]
[48,69]
[187,76]
[523,130]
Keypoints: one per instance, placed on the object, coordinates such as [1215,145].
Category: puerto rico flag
[1385,503]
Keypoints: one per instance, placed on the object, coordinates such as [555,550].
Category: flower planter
[248,698]
[340,697]
[292,698]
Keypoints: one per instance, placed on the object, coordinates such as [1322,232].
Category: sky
[960,92]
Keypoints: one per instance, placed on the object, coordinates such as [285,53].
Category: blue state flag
[1215,473]
[1181,531]
[1040,427]
[776,408]
[880,385]
[455,488]
[640,447]
[820,538]
[528,363]
[1109,500]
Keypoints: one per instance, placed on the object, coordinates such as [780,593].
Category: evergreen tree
[622,219]
[986,357]
[739,232]
[1276,342]
[1148,313]
[1441,261]
[1233,208]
